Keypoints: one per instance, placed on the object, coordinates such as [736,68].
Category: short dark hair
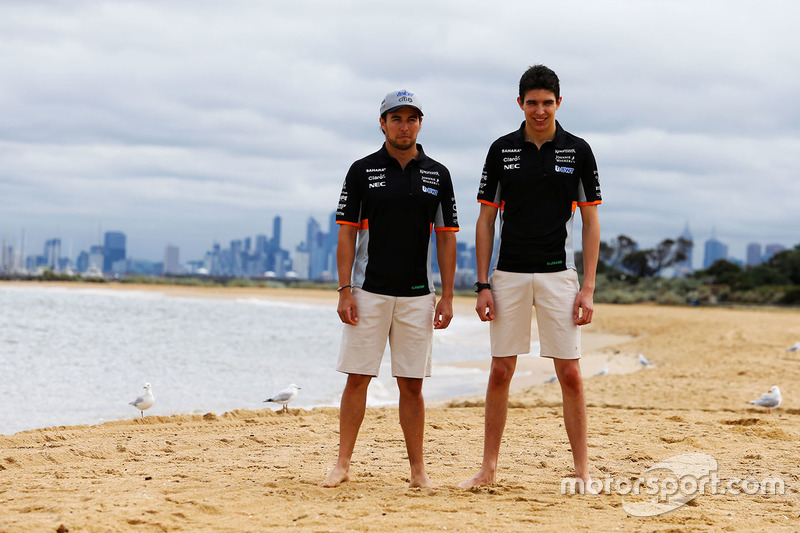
[539,77]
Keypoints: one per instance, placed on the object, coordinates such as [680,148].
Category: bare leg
[569,376]
[412,420]
[495,419]
[351,414]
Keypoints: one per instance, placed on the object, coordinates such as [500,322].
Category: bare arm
[345,255]
[446,256]
[584,302]
[484,243]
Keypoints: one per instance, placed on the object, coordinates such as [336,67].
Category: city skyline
[293,261]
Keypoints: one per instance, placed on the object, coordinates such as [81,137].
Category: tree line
[629,274]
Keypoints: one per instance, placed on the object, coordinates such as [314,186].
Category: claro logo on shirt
[565,170]
[429,190]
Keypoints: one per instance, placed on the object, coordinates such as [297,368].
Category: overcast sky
[193,122]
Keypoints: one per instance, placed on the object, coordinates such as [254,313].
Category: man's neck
[539,138]
[403,156]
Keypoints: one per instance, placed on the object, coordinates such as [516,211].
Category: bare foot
[588,487]
[478,480]
[338,475]
[422,481]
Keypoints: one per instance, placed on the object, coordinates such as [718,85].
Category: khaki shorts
[553,294]
[407,323]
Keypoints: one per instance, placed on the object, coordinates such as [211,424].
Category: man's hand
[347,309]
[485,305]
[584,308]
[443,313]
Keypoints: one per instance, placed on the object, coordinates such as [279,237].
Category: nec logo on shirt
[565,170]
[429,190]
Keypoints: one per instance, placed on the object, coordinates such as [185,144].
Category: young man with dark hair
[536,177]
[390,203]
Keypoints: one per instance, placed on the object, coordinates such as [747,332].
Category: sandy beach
[259,470]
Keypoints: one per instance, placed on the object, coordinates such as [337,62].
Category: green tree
[649,263]
[787,263]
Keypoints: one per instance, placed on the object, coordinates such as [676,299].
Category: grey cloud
[206,117]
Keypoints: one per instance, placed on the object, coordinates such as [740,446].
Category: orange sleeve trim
[487,202]
[596,202]
[447,229]
[345,222]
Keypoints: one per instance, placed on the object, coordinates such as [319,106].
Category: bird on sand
[602,372]
[643,361]
[770,400]
[145,401]
[552,379]
[794,347]
[285,396]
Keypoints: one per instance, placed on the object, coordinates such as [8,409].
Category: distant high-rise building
[276,234]
[6,255]
[82,263]
[172,263]
[753,254]
[301,261]
[714,251]
[262,244]
[315,246]
[95,259]
[113,249]
[772,249]
[52,253]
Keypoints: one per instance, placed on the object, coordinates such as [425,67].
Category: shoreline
[598,348]
[256,470]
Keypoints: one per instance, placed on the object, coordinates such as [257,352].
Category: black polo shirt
[395,211]
[537,192]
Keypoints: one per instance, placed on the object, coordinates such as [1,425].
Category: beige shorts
[407,323]
[553,294]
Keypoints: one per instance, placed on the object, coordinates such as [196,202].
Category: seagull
[794,347]
[285,396]
[145,401]
[603,372]
[643,361]
[552,379]
[770,400]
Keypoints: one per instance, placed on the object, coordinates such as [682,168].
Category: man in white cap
[391,202]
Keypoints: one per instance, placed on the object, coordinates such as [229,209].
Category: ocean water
[79,355]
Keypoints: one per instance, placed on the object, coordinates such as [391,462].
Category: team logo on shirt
[429,190]
[565,170]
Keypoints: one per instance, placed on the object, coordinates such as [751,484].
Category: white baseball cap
[400,98]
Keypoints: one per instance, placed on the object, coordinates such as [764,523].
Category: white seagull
[146,401]
[552,379]
[794,347]
[770,400]
[643,361]
[285,396]
[603,372]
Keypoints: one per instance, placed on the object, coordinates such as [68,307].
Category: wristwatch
[480,286]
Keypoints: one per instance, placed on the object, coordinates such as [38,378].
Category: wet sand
[259,470]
